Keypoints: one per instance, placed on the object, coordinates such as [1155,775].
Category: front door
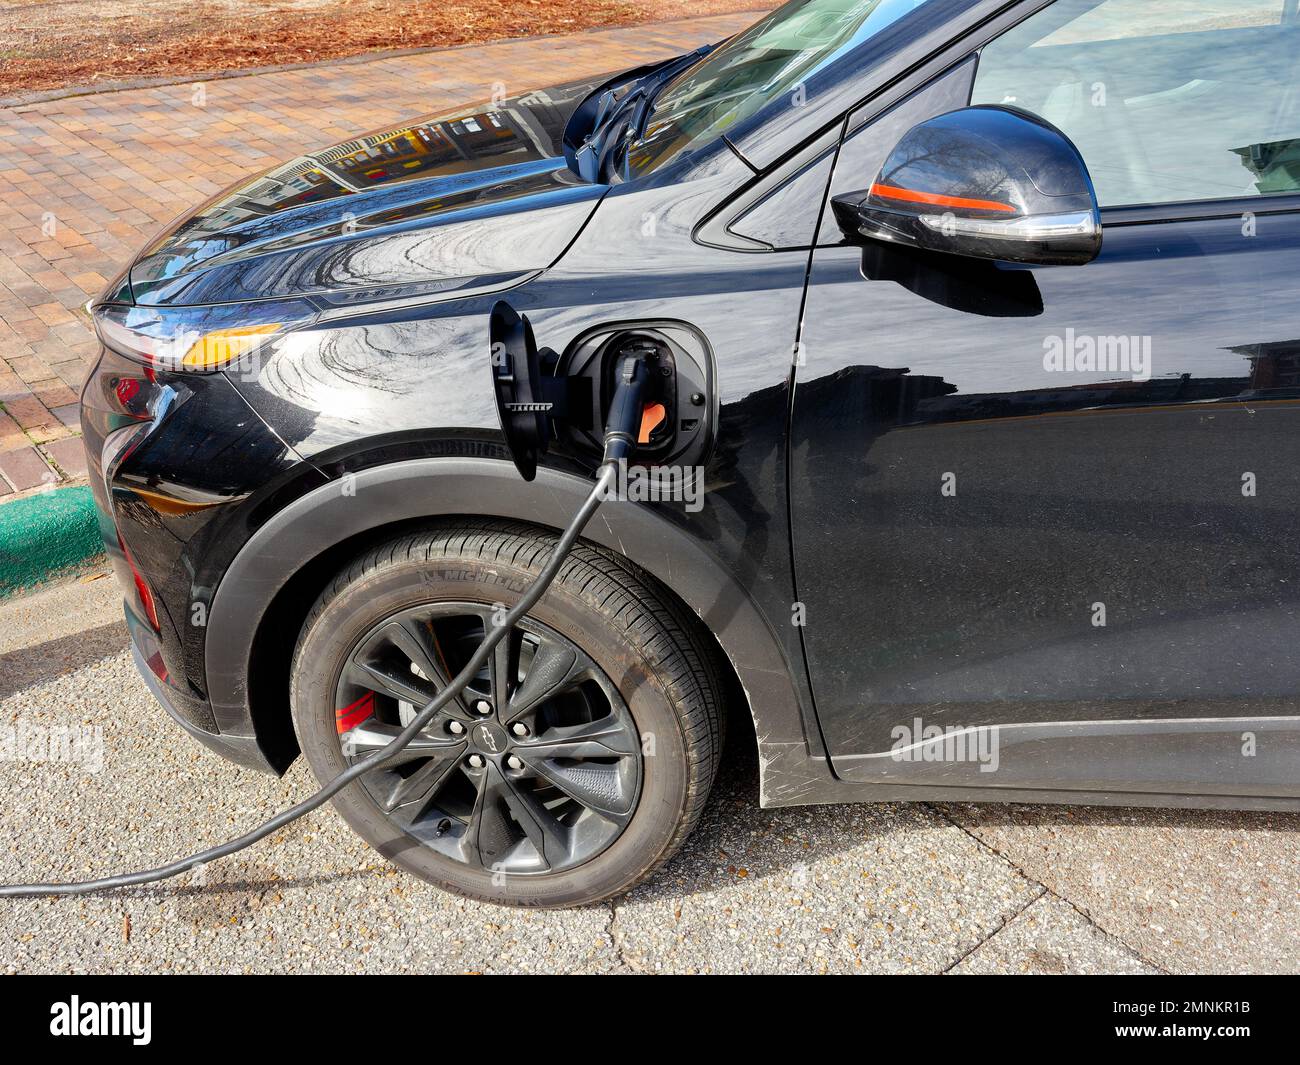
[1063,501]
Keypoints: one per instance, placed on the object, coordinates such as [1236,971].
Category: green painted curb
[45,534]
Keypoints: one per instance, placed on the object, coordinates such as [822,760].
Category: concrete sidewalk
[86,180]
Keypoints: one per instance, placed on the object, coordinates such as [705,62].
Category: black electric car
[969,466]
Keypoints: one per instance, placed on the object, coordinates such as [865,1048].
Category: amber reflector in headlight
[201,339]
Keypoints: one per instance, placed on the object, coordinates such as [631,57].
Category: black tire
[648,648]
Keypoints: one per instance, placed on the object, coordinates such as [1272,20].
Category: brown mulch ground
[50,44]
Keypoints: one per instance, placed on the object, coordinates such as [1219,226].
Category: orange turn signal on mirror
[934,199]
[223,346]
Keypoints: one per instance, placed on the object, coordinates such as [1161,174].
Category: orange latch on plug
[651,415]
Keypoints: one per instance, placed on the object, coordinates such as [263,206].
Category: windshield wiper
[591,156]
[635,127]
[590,153]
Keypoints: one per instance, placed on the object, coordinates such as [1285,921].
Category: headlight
[199,339]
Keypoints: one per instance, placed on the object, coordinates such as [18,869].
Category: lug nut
[519,728]
[476,760]
[483,706]
[456,728]
[514,763]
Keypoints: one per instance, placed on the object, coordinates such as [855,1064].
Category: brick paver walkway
[86,180]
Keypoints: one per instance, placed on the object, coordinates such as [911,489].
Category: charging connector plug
[623,421]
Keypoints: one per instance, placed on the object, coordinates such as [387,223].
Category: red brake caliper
[352,715]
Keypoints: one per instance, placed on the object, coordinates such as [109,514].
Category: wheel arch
[259,604]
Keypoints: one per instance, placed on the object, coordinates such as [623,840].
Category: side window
[1170,101]
[787,217]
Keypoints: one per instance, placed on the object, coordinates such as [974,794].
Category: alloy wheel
[535,768]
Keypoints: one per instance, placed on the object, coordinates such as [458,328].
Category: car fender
[790,770]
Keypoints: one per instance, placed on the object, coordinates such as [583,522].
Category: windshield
[771,58]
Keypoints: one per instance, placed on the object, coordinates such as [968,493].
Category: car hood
[445,202]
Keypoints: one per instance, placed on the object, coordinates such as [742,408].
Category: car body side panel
[791,770]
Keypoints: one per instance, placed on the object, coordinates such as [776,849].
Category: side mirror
[985,182]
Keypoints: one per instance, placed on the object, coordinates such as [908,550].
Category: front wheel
[573,765]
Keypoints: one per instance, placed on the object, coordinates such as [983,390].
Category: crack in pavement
[1005,921]
[616,938]
[1046,891]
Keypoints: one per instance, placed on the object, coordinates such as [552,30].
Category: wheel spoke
[563,757]
[491,824]
[599,786]
[539,825]
[595,739]
[398,683]
[372,735]
[421,786]
[418,642]
[490,831]
[503,669]
[552,671]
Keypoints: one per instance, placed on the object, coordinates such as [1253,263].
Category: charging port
[677,405]
[546,398]
[659,396]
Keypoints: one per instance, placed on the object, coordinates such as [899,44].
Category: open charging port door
[545,399]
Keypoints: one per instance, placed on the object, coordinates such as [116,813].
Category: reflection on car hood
[432,205]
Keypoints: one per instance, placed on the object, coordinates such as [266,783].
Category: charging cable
[620,427]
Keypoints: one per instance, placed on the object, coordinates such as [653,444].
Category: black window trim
[1200,210]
